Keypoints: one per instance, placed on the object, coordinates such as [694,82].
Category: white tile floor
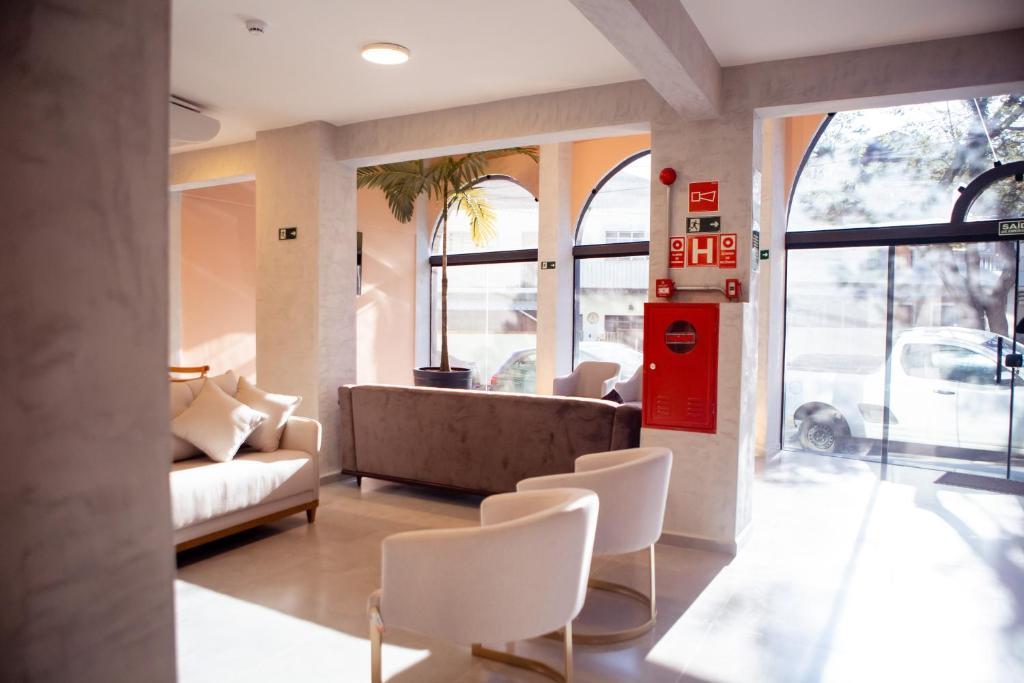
[848,576]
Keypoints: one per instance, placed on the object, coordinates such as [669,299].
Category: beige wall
[87,558]
[218,278]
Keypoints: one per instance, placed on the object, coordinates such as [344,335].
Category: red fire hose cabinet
[681,366]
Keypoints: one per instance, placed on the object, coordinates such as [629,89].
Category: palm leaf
[482,219]
[402,183]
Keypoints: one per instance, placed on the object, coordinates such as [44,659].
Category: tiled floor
[849,575]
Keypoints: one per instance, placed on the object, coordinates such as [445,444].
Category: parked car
[519,371]
[949,387]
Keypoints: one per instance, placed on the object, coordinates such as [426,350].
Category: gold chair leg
[531,664]
[376,638]
[631,593]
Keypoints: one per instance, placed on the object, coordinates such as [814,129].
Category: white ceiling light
[385,53]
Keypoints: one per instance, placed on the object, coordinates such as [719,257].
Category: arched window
[903,291]
[492,291]
[611,259]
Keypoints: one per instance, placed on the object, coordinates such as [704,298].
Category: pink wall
[593,159]
[218,278]
[386,310]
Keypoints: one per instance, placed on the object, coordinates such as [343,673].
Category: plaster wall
[87,565]
[305,289]
[218,278]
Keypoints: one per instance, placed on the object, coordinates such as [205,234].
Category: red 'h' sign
[704,196]
[702,250]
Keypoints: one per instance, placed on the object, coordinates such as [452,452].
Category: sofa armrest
[302,434]
[626,428]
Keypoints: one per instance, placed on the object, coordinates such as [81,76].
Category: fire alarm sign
[704,196]
[727,251]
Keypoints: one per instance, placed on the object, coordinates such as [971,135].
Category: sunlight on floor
[240,629]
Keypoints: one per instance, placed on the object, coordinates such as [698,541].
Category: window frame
[605,250]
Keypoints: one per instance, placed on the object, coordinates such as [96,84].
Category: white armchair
[632,486]
[590,379]
[521,574]
[631,390]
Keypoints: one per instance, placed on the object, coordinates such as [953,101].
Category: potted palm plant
[450,181]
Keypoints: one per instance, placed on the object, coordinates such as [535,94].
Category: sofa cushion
[202,490]
[216,423]
[277,407]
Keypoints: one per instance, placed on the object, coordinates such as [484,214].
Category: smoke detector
[256,27]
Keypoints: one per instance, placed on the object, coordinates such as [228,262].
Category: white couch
[210,500]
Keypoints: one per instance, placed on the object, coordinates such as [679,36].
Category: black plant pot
[456,378]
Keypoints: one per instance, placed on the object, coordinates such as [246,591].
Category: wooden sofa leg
[311,514]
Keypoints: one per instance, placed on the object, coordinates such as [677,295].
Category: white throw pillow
[277,407]
[216,423]
[181,399]
[228,382]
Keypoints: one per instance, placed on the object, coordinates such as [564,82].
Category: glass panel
[902,165]
[621,209]
[610,298]
[1002,199]
[952,312]
[835,350]
[492,323]
[516,221]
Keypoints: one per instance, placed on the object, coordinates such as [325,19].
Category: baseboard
[729,548]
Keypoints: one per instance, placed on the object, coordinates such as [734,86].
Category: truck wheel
[823,432]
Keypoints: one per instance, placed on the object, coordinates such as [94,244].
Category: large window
[611,256]
[492,292]
[903,299]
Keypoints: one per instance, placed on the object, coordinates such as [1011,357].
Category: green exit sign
[764,254]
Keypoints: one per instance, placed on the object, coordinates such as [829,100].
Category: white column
[174,277]
[305,292]
[710,498]
[424,234]
[554,286]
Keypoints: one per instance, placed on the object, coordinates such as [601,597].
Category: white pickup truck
[950,386]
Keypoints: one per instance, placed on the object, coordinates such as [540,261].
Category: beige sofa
[476,441]
[210,500]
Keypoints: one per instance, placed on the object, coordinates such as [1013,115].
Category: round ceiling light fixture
[385,53]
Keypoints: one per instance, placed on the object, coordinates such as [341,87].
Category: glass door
[950,393]
[907,354]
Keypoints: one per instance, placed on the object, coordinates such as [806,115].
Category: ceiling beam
[662,42]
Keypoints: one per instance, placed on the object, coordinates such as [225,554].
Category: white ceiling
[307,66]
[750,31]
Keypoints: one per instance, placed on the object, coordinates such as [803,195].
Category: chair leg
[631,593]
[376,638]
[567,652]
